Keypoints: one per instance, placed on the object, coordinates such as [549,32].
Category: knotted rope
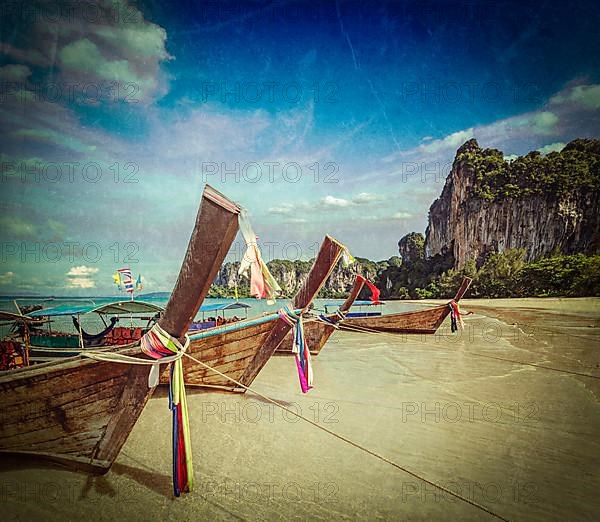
[299,347]
[164,348]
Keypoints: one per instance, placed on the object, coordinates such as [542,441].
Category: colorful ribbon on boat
[262,282]
[299,348]
[455,317]
[157,343]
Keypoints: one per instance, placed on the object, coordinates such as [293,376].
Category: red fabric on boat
[374,291]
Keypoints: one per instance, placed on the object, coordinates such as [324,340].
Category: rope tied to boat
[327,320]
[299,347]
[164,348]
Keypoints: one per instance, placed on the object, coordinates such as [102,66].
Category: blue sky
[319,117]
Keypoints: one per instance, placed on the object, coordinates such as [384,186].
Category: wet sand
[520,440]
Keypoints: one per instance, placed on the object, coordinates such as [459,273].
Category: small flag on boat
[126,279]
[138,283]
[374,292]
[117,278]
[347,258]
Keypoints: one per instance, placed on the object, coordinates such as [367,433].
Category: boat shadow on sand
[148,478]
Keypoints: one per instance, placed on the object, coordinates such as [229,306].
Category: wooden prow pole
[462,290]
[328,256]
[214,232]
[358,285]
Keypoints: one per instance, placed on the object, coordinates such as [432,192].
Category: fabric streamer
[158,344]
[299,348]
[262,282]
[455,317]
[374,292]
[347,258]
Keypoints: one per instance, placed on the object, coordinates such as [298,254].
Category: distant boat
[419,322]
[48,345]
[217,311]
[80,411]
[318,330]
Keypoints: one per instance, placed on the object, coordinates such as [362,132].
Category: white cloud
[552,147]
[452,142]
[333,202]
[81,283]
[7,278]
[83,55]
[81,277]
[364,198]
[119,45]
[82,271]
[402,215]
[587,96]
[285,208]
[544,122]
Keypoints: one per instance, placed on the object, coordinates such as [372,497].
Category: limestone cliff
[542,204]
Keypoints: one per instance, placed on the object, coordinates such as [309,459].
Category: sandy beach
[519,440]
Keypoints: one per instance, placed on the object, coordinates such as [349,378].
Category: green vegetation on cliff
[558,173]
[505,274]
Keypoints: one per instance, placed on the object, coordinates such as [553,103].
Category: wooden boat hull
[419,322]
[74,411]
[422,321]
[316,334]
[228,352]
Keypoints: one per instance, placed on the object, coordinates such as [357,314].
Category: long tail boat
[318,330]
[419,322]
[47,345]
[240,350]
[80,411]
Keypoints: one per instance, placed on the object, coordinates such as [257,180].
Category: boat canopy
[10,316]
[217,307]
[117,308]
